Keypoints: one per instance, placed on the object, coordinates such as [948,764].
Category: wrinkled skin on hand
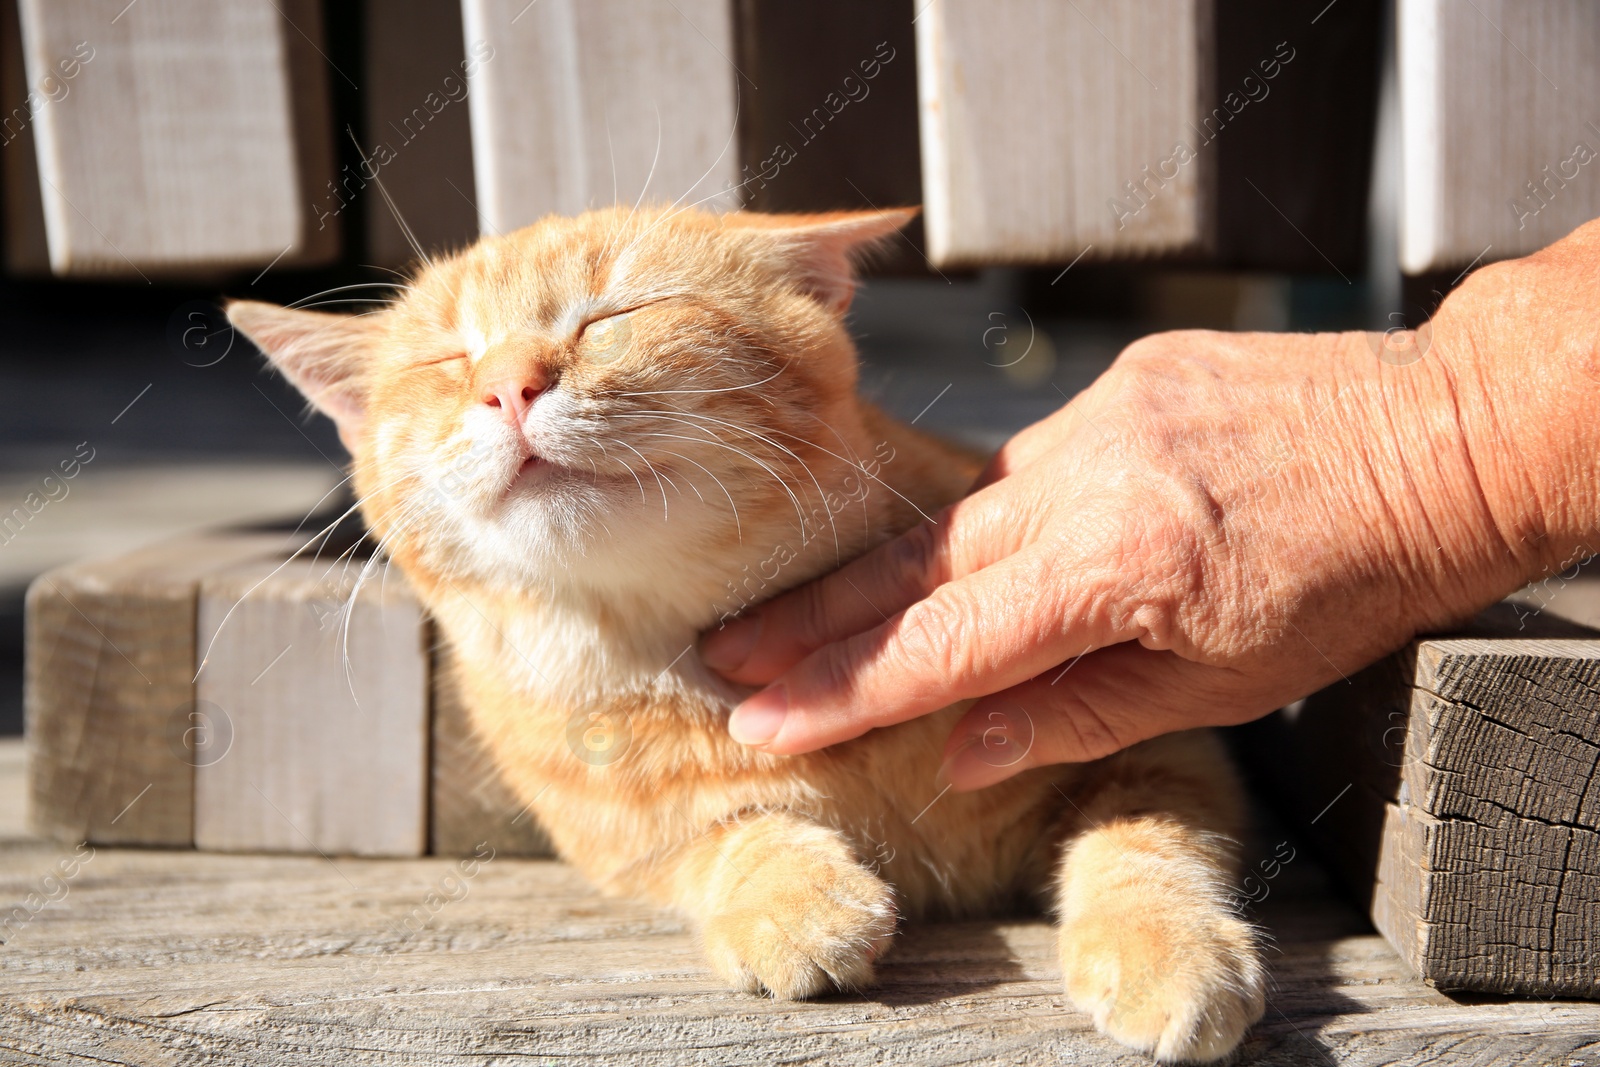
[1220,524]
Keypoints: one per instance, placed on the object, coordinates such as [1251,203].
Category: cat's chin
[538,475]
[542,491]
[534,469]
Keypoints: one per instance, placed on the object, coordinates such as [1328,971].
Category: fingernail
[758,720]
[727,649]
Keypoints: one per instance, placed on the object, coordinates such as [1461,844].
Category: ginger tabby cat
[589,440]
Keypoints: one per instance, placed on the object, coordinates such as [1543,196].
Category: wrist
[1520,345]
[1451,541]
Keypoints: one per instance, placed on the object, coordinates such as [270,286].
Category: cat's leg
[1151,946]
[783,904]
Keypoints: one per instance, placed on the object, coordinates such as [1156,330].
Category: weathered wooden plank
[1499,139]
[1451,787]
[471,804]
[141,956]
[189,139]
[110,653]
[291,960]
[322,692]
[579,105]
[1049,127]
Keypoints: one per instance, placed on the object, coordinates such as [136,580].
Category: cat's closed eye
[604,340]
[448,357]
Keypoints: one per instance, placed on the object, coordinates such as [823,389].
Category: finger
[1112,698]
[761,644]
[977,635]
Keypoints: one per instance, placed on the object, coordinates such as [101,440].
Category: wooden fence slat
[581,104]
[1501,140]
[181,137]
[1049,127]
[326,715]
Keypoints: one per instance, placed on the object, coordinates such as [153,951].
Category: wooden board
[112,708]
[189,139]
[1050,127]
[109,690]
[324,707]
[296,961]
[583,104]
[1451,787]
[1501,147]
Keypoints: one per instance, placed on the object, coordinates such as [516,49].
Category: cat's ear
[821,249]
[325,356]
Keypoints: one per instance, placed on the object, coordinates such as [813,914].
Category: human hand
[1222,523]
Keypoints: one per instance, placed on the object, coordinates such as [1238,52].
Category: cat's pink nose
[515,395]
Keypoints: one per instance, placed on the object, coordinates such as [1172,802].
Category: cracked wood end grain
[1468,821]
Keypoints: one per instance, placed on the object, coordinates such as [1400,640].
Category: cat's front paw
[1183,983]
[801,922]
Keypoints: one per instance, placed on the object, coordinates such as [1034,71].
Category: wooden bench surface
[174,956]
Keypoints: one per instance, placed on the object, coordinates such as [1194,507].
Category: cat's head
[590,392]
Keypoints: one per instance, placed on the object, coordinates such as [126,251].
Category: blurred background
[1091,170]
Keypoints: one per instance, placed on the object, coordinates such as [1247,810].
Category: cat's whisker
[410,513]
[719,443]
[821,494]
[733,132]
[674,209]
[626,467]
[653,471]
[691,482]
[738,528]
[405,227]
[338,485]
[652,172]
[697,392]
[849,449]
[863,470]
[382,306]
[376,560]
[389,270]
[611,150]
[306,301]
[679,419]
